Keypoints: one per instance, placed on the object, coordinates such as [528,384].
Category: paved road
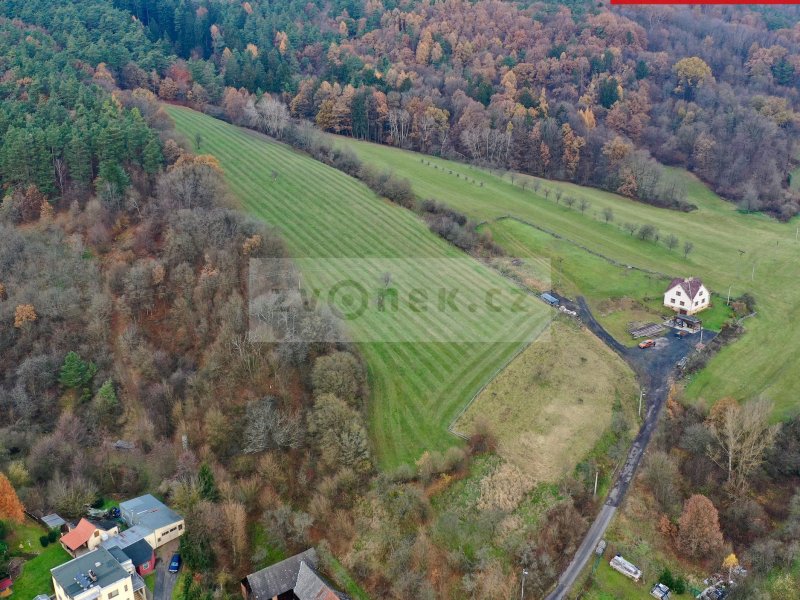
[654,368]
[165,581]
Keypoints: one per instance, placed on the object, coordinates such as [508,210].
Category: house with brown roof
[687,296]
[86,536]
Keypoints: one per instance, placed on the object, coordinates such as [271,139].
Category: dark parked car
[175,563]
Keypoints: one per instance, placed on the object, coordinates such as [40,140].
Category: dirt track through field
[655,368]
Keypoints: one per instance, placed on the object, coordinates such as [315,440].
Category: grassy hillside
[728,245]
[553,403]
[417,387]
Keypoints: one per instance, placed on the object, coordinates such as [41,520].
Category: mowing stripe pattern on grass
[416,388]
[741,252]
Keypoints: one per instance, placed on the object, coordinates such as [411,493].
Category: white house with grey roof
[146,512]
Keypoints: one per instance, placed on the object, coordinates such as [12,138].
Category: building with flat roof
[146,511]
[97,575]
[53,521]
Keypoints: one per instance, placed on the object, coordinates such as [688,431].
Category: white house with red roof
[687,296]
[86,536]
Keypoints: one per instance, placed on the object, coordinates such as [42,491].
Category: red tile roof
[78,536]
[690,286]
[5,584]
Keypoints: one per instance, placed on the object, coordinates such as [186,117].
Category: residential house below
[687,296]
[295,578]
[98,575]
[164,524]
[133,542]
[87,535]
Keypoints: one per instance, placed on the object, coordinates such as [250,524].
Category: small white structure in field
[660,591]
[687,296]
[623,566]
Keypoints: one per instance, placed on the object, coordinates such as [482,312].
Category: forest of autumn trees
[586,93]
[590,94]
[121,266]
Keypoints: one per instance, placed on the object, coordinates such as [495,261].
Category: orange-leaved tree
[699,534]
[10,507]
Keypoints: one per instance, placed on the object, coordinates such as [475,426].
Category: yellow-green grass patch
[551,405]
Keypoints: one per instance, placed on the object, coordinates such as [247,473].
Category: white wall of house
[120,590]
[678,300]
[165,534]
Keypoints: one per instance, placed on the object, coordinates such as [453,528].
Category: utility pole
[596,477]
[701,334]
[753,276]
[522,590]
[641,394]
[728,301]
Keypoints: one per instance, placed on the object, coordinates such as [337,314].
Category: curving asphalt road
[654,369]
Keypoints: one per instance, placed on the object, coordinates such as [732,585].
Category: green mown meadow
[417,388]
[741,252]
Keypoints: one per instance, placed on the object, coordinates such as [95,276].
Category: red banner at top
[685,2]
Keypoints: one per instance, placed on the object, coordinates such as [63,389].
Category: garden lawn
[741,252]
[417,387]
[35,578]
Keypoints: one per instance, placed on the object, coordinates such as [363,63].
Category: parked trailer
[623,566]
[550,299]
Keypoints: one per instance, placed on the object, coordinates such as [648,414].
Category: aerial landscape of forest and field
[460,299]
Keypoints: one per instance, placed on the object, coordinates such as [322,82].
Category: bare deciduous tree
[235,517]
[270,116]
[742,434]
[269,427]
[671,241]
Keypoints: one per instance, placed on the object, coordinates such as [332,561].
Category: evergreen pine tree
[206,484]
[152,158]
[78,159]
[75,372]
[105,403]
